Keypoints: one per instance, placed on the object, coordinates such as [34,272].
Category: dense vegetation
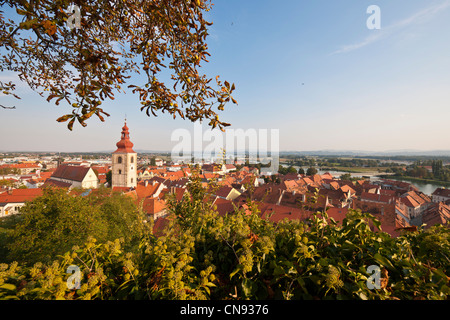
[418,169]
[52,224]
[202,255]
[331,162]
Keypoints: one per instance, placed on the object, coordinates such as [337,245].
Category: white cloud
[384,32]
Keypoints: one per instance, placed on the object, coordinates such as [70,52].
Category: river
[427,188]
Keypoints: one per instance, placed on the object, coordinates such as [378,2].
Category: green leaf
[278,271]
[10,298]
[440,274]
[301,282]
[8,286]
[238,268]
[28,24]
[384,261]
[362,295]
[247,287]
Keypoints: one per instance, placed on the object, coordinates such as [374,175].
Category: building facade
[73,177]
[12,200]
[440,195]
[124,162]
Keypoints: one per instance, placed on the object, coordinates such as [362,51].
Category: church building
[124,162]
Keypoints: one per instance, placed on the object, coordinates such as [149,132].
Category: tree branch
[2,106]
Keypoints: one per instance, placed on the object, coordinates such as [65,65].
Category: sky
[312,70]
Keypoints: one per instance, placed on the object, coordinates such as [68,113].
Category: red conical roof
[125,145]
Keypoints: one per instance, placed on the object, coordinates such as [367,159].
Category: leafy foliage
[203,255]
[53,223]
[85,66]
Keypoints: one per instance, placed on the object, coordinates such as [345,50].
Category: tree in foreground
[82,55]
[203,255]
[52,224]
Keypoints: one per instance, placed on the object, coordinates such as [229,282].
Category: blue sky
[311,69]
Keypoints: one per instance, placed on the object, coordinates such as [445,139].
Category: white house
[74,177]
[440,195]
[12,200]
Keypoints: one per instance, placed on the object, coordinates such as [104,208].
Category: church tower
[124,162]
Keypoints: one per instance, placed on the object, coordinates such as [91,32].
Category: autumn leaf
[82,66]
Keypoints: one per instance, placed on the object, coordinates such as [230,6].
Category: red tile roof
[121,189]
[212,167]
[346,188]
[223,206]
[20,195]
[366,196]
[415,198]
[153,205]
[124,145]
[45,175]
[334,185]
[21,166]
[387,192]
[442,192]
[290,185]
[327,175]
[74,173]
[143,191]
[338,214]
[410,202]
[437,213]
[223,191]
[276,213]
[160,225]
[55,183]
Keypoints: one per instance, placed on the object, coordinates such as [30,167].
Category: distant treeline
[339,162]
[381,158]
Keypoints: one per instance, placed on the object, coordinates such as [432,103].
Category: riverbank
[362,170]
[413,179]
[424,185]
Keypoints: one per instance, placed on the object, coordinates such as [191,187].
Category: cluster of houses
[397,205]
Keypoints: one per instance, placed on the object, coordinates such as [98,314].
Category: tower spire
[124,145]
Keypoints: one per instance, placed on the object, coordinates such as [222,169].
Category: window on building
[132,159]
[119,160]
[131,180]
[120,171]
